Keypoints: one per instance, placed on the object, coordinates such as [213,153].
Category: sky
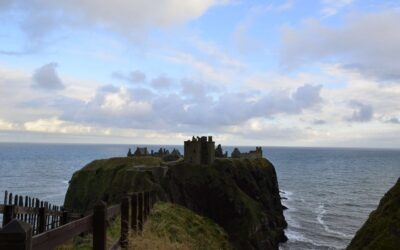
[320,73]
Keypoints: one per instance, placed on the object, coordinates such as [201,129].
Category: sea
[329,192]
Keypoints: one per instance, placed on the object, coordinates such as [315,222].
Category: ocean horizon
[329,192]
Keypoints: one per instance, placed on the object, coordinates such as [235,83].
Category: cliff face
[382,229]
[242,196]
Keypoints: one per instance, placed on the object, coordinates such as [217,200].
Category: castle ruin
[199,150]
[252,154]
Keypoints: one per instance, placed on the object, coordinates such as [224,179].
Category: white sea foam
[321,211]
[287,194]
[288,213]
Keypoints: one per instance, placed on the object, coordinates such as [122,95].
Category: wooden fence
[133,209]
[41,215]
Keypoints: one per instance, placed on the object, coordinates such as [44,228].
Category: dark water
[329,192]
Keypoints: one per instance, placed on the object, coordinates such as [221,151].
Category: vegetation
[171,226]
[109,180]
[382,229]
[240,195]
[85,242]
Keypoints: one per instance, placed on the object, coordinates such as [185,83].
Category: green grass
[108,180]
[85,242]
[175,227]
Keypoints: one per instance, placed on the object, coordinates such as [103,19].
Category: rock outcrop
[240,195]
[382,229]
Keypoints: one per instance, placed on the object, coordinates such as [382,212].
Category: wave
[321,211]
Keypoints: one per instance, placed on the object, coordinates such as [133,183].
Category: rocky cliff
[242,196]
[382,229]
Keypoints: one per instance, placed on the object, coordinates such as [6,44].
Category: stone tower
[199,150]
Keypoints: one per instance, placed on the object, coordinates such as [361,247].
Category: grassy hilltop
[241,196]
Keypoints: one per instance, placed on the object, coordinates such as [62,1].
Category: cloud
[133,15]
[307,95]
[43,23]
[319,122]
[135,76]
[161,82]
[366,42]
[363,113]
[332,7]
[195,106]
[47,78]
[393,120]
[39,19]
[5,4]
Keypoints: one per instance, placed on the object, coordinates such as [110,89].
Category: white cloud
[5,125]
[332,7]
[54,125]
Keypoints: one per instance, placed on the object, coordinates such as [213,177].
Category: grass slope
[171,226]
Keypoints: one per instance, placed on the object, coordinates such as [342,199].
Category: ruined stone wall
[192,152]
[210,152]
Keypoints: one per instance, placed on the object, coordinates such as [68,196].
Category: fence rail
[41,215]
[133,209]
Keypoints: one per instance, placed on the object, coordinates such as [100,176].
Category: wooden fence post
[134,209]
[140,211]
[8,214]
[146,205]
[64,217]
[16,235]
[154,197]
[42,220]
[100,226]
[124,223]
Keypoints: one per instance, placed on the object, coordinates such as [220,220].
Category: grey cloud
[196,89]
[304,97]
[366,42]
[393,120]
[135,76]
[319,122]
[142,94]
[161,82]
[5,4]
[276,133]
[363,112]
[108,89]
[307,95]
[47,78]
[39,19]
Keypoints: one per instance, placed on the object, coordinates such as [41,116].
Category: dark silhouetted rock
[382,229]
